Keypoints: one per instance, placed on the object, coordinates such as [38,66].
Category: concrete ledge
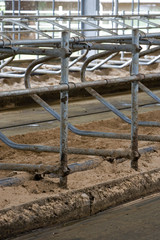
[77,204]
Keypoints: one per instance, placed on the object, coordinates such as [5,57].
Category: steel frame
[18,26]
[50,48]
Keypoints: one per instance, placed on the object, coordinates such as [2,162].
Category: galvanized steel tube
[64,113]
[134,111]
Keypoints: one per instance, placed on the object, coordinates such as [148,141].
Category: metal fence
[27,28]
[48,48]
[133,37]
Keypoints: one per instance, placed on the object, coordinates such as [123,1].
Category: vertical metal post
[132,7]
[13,13]
[19,7]
[132,12]
[148,23]
[13,7]
[53,12]
[37,24]
[89,7]
[116,13]
[2,30]
[138,7]
[116,7]
[64,114]
[79,12]
[19,28]
[123,32]
[134,89]
[53,6]
[78,7]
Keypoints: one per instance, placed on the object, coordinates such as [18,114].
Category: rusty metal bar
[29,168]
[134,111]
[54,171]
[56,52]
[109,47]
[64,114]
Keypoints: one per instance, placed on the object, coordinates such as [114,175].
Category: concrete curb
[77,204]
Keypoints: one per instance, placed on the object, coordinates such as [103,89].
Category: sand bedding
[31,189]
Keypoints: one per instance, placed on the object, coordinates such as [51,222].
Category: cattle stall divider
[64,48]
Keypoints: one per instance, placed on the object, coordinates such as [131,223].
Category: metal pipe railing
[64,51]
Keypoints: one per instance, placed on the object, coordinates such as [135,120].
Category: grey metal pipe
[30,168]
[102,62]
[80,151]
[76,17]
[119,38]
[35,51]
[148,51]
[64,114]
[53,171]
[109,47]
[134,110]
[74,86]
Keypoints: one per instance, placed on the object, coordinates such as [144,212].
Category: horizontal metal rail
[80,85]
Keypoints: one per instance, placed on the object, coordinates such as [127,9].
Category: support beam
[134,88]
[64,114]
[89,7]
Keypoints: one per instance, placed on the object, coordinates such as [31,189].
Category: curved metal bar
[41,71]
[42,103]
[102,62]
[32,65]
[130,60]
[151,61]
[152,50]
[80,132]
[104,102]
[72,63]
[119,66]
[36,148]
[40,148]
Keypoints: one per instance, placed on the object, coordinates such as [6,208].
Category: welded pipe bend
[43,104]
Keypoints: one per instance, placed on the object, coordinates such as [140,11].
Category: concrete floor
[138,220]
